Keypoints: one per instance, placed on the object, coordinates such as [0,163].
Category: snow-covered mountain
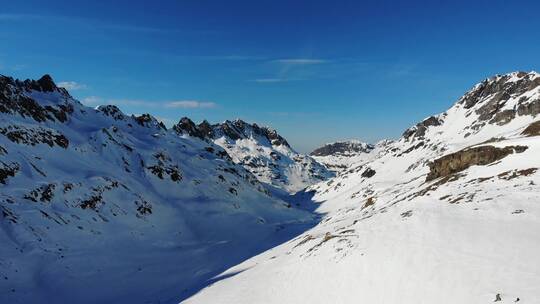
[343,148]
[448,213]
[261,151]
[340,155]
[101,207]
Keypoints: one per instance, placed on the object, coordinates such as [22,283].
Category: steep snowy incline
[448,213]
[262,151]
[100,207]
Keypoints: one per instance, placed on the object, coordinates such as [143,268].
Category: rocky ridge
[260,150]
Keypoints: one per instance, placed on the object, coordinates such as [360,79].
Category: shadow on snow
[302,200]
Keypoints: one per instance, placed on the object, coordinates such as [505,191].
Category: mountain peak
[343,148]
[187,126]
[47,83]
[495,101]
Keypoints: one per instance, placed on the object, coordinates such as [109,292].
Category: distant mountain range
[260,150]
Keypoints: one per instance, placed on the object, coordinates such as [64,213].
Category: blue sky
[317,71]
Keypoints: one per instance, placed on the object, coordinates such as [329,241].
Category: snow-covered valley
[102,207]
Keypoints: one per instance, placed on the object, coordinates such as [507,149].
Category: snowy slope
[448,213]
[262,151]
[100,207]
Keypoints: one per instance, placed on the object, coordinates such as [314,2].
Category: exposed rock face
[206,129]
[420,129]
[187,126]
[14,99]
[34,136]
[7,170]
[498,100]
[532,108]
[368,173]
[503,117]
[112,111]
[533,129]
[501,87]
[147,120]
[493,94]
[165,167]
[461,160]
[234,130]
[343,148]
[46,84]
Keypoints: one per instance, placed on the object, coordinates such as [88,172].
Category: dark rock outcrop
[492,94]
[206,129]
[44,193]
[368,173]
[343,148]
[461,160]
[501,88]
[147,120]
[164,166]
[233,130]
[420,129]
[33,136]
[533,129]
[112,111]
[7,170]
[187,126]
[531,108]
[46,84]
[14,100]
[503,117]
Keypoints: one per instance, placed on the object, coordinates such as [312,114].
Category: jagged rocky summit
[262,151]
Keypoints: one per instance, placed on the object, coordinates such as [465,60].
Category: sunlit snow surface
[395,238]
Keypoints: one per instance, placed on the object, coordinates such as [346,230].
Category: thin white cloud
[92,100]
[16,67]
[93,23]
[190,104]
[225,57]
[13,17]
[72,85]
[292,69]
[270,80]
[19,67]
[178,104]
[300,61]
[132,102]
[293,114]
[96,101]
[277,80]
